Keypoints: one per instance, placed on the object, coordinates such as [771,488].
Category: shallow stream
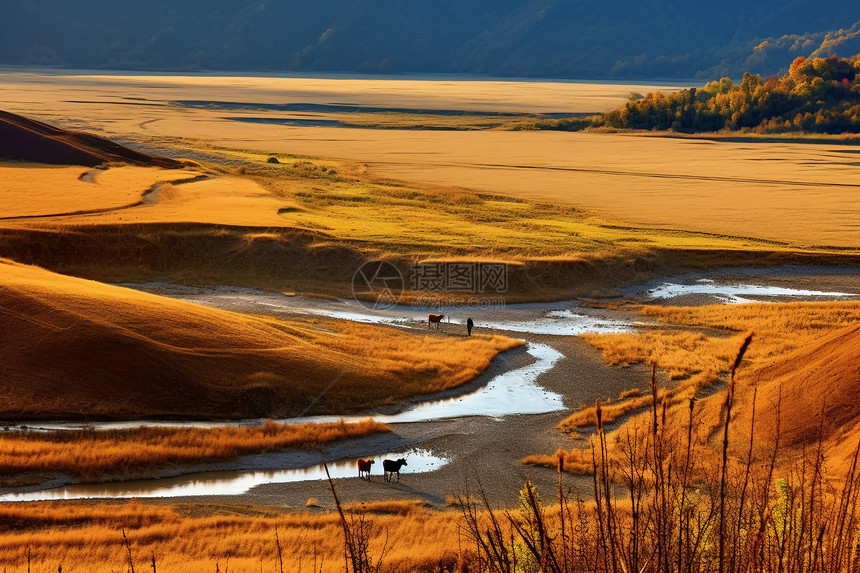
[512,392]
[230,482]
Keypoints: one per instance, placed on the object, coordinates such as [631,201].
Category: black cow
[392,468]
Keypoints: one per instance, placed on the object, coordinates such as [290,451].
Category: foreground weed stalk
[280,553]
[730,395]
[128,549]
[356,535]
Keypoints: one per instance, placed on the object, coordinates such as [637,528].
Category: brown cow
[434,319]
[364,468]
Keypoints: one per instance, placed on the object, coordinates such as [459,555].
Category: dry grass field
[108,455]
[538,200]
[83,537]
[791,192]
[336,200]
[761,474]
[571,212]
[783,191]
[134,195]
[308,224]
[35,190]
[118,353]
[96,92]
[804,351]
[417,220]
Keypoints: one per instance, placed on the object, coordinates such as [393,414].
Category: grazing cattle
[434,319]
[364,468]
[392,468]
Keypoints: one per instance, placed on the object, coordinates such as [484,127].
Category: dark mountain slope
[625,38]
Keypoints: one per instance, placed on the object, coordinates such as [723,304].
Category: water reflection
[737,293]
[512,392]
[564,322]
[232,482]
[509,393]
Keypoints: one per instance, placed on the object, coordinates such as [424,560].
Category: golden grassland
[103,95]
[407,120]
[97,455]
[32,190]
[116,352]
[407,219]
[662,492]
[89,537]
[783,494]
[683,506]
[394,218]
[802,350]
[185,196]
[683,510]
[718,187]
[342,203]
[721,188]
[308,224]
[780,328]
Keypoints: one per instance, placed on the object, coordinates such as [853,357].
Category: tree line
[817,95]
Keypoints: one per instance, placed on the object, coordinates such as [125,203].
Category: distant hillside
[25,139]
[550,38]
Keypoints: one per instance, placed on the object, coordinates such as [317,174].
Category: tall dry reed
[664,504]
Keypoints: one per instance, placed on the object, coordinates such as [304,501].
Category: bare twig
[128,549]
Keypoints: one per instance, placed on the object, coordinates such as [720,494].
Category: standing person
[469,325]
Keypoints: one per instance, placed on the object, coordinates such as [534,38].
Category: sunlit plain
[786,191]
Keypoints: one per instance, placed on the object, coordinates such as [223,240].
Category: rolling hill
[815,390]
[808,394]
[73,348]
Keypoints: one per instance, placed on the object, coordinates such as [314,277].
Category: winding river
[513,392]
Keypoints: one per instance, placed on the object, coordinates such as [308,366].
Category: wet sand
[479,449]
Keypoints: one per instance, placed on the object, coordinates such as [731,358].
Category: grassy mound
[814,391]
[74,348]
